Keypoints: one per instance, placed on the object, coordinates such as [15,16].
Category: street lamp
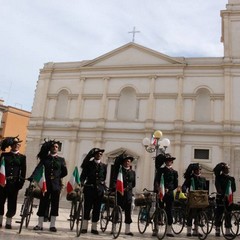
[155,145]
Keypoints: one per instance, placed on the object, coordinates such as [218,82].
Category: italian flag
[119,185]
[229,193]
[41,180]
[162,188]
[75,179]
[192,186]
[2,173]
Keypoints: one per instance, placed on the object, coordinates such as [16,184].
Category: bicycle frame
[26,209]
[158,218]
[115,216]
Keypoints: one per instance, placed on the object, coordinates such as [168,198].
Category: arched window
[127,105]
[203,106]
[62,104]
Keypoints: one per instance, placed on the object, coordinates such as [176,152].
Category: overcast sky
[34,32]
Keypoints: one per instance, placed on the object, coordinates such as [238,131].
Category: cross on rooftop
[133,33]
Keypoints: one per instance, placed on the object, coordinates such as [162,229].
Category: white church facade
[117,99]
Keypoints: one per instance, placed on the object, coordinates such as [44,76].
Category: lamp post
[155,145]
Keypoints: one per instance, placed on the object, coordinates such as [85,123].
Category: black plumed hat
[90,155]
[191,167]
[8,142]
[219,168]
[45,148]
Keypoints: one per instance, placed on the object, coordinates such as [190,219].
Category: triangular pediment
[132,54]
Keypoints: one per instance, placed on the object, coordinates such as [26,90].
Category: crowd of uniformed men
[93,177]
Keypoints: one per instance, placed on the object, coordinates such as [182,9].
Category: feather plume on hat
[219,167]
[189,171]
[90,155]
[159,160]
[45,148]
[8,142]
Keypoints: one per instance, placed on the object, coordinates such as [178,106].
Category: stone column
[80,101]
[179,98]
[41,96]
[102,115]
[151,100]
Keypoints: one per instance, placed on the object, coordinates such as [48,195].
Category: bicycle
[79,211]
[75,196]
[181,213]
[107,215]
[179,216]
[211,211]
[151,213]
[27,207]
[229,219]
[236,210]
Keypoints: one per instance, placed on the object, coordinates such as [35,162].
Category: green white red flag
[2,173]
[40,179]
[229,193]
[119,185]
[162,188]
[192,186]
[73,181]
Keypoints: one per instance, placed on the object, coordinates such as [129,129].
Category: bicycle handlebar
[147,190]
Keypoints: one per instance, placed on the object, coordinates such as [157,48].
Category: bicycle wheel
[178,220]
[143,219]
[211,219]
[104,217]
[73,214]
[230,221]
[79,218]
[202,225]
[116,221]
[160,223]
[23,213]
[29,212]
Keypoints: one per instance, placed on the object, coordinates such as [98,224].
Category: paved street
[64,231]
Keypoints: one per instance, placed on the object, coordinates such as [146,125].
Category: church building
[116,100]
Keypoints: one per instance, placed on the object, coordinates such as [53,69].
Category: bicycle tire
[211,219]
[72,215]
[116,217]
[143,219]
[29,212]
[234,229]
[23,213]
[179,219]
[202,224]
[104,217]
[160,223]
[79,218]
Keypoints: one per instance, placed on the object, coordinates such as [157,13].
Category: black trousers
[52,198]
[92,201]
[9,193]
[219,214]
[168,199]
[192,214]
[125,202]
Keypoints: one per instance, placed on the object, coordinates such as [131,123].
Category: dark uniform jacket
[129,182]
[170,178]
[15,168]
[199,183]
[221,183]
[55,170]
[94,175]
